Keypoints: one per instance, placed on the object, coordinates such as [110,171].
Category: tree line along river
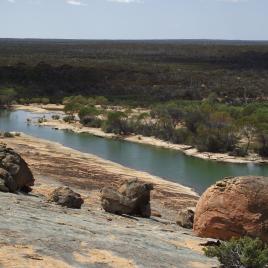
[169,164]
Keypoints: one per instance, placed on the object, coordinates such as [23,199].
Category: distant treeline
[141,71]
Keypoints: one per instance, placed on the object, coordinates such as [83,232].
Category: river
[169,164]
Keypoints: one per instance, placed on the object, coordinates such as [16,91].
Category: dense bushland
[211,95]
[140,72]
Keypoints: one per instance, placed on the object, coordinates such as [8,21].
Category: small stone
[185,218]
[66,197]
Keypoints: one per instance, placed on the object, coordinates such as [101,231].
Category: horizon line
[142,39]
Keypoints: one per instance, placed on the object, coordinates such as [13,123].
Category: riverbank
[186,149]
[90,237]
[77,169]
[39,108]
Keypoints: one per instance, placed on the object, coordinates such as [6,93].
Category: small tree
[247,130]
[175,113]
[240,253]
[7,95]
[88,116]
[45,100]
[116,123]
[87,111]
[100,100]
[262,139]
[71,108]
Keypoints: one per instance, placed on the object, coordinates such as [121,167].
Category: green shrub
[7,95]
[35,100]
[55,117]
[116,123]
[91,121]
[262,147]
[180,136]
[87,111]
[8,135]
[45,100]
[241,253]
[68,118]
[239,152]
[23,101]
[72,107]
[100,100]
[41,120]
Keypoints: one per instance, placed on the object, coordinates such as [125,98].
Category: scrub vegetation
[208,125]
[137,72]
[211,95]
[244,252]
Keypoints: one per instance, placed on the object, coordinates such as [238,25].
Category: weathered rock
[132,198]
[3,187]
[90,239]
[66,197]
[234,207]
[156,213]
[8,180]
[14,171]
[186,218]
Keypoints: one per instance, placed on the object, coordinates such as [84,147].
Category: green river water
[168,164]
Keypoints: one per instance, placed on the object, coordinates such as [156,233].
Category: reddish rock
[234,207]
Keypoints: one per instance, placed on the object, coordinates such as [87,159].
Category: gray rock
[186,218]
[66,197]
[68,238]
[3,187]
[14,171]
[132,198]
[8,180]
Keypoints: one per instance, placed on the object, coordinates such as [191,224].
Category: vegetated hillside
[143,71]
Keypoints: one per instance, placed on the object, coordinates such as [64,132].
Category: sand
[186,149]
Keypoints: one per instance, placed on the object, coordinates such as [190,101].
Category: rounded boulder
[234,207]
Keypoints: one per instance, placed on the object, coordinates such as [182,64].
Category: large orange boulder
[234,207]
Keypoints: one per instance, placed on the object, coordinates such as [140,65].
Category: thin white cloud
[75,3]
[83,2]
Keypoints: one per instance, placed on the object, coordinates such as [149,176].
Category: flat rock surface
[51,162]
[36,233]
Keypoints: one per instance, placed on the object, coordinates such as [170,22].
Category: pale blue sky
[135,19]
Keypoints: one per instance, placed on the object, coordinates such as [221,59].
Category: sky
[135,19]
